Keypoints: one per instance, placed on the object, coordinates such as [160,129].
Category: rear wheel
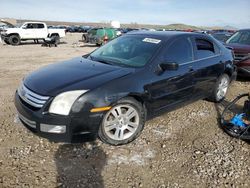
[221,88]
[56,38]
[14,40]
[123,122]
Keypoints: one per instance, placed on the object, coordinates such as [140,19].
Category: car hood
[75,74]
[12,30]
[240,48]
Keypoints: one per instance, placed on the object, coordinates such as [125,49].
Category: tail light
[105,38]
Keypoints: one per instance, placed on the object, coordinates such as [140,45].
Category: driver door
[173,87]
[29,31]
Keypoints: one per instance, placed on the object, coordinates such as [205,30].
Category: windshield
[18,25]
[130,50]
[241,37]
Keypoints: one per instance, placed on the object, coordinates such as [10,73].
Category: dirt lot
[184,148]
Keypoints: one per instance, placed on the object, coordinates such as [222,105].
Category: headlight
[63,102]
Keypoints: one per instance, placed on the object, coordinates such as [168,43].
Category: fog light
[58,129]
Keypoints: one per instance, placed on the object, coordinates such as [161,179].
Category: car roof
[164,34]
[34,22]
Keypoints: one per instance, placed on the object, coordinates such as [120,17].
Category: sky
[235,13]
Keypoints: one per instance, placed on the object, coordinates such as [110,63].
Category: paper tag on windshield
[150,40]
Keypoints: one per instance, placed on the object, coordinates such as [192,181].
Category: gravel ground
[184,148]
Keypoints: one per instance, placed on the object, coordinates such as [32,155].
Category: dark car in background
[78,29]
[240,44]
[72,29]
[83,29]
[115,89]
[222,36]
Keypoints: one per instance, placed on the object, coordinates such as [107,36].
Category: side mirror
[171,66]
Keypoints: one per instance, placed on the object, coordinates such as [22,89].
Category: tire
[220,89]
[233,130]
[84,38]
[14,40]
[122,129]
[56,38]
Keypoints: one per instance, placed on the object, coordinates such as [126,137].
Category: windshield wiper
[100,60]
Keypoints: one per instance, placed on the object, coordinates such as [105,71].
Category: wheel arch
[54,34]
[11,34]
[229,72]
[141,100]
[230,68]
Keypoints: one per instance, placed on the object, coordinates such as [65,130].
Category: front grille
[241,56]
[31,98]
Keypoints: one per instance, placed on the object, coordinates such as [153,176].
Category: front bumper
[3,36]
[76,127]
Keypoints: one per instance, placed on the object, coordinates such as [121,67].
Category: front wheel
[14,40]
[221,88]
[123,122]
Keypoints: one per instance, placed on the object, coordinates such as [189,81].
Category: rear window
[100,32]
[204,48]
[40,26]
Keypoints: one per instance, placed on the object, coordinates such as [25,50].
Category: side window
[205,48]
[31,26]
[180,51]
[40,26]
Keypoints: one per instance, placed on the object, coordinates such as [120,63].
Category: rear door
[208,65]
[173,87]
[41,31]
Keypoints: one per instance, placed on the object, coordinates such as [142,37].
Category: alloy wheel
[222,88]
[121,122]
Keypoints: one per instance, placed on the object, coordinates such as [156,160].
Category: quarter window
[204,48]
[180,51]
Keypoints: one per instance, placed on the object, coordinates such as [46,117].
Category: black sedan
[115,89]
